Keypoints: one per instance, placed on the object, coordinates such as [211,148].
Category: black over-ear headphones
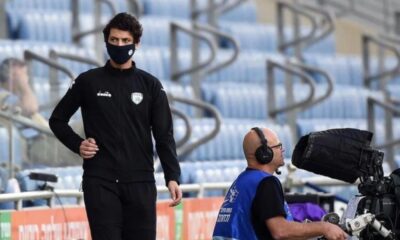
[264,154]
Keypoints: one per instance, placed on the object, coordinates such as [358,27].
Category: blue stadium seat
[228,142]
[68,178]
[238,100]
[246,12]
[254,36]
[170,8]
[249,67]
[250,101]
[181,9]
[394,91]
[54,27]
[16,48]
[12,186]
[262,37]
[156,32]
[150,59]
[345,102]
[211,171]
[4,145]
[346,70]
[180,91]
[18,150]
[326,46]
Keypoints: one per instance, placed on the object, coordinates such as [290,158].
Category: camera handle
[356,225]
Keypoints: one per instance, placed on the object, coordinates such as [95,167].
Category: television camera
[345,154]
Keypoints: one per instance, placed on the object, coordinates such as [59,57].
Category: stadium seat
[180,91]
[250,101]
[12,186]
[228,142]
[252,36]
[181,9]
[68,178]
[150,59]
[5,148]
[16,48]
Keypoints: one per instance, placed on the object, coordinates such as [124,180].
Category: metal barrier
[3,20]
[300,42]
[200,188]
[367,41]
[185,150]
[390,142]
[188,128]
[197,31]
[382,77]
[381,14]
[175,73]
[292,107]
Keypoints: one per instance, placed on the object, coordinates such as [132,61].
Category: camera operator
[254,207]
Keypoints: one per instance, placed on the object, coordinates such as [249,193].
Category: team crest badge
[137,97]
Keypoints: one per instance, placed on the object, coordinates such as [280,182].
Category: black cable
[63,210]
[45,187]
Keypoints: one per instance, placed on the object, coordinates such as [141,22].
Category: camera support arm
[356,225]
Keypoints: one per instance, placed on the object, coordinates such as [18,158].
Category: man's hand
[334,232]
[175,192]
[88,148]
[20,78]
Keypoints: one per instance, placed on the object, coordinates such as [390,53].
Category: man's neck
[262,167]
[125,65]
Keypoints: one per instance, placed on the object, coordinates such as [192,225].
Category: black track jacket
[119,108]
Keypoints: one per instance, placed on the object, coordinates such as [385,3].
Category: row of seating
[221,159]
[250,101]
[228,142]
[17,148]
[262,37]
[57,27]
[250,67]
[246,12]
[16,48]
[168,8]
[347,69]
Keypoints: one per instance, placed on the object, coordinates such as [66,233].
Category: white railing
[200,188]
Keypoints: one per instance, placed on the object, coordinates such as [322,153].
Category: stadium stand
[238,91]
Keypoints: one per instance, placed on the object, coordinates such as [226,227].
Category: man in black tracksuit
[121,105]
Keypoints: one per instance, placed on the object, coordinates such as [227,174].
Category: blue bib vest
[234,218]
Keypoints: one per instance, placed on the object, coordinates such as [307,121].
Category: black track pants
[120,211]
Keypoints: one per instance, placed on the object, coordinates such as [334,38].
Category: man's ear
[137,45]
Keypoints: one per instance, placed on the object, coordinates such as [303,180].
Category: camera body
[345,154]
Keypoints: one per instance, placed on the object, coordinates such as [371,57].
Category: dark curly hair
[125,22]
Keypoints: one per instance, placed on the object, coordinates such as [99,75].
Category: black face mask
[120,54]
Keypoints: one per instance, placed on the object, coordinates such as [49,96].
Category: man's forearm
[65,134]
[29,103]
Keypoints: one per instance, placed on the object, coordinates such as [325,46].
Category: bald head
[252,141]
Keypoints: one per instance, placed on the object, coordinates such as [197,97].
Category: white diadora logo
[130,52]
[137,97]
[104,94]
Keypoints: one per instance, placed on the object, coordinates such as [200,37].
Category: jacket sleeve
[162,127]
[62,113]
